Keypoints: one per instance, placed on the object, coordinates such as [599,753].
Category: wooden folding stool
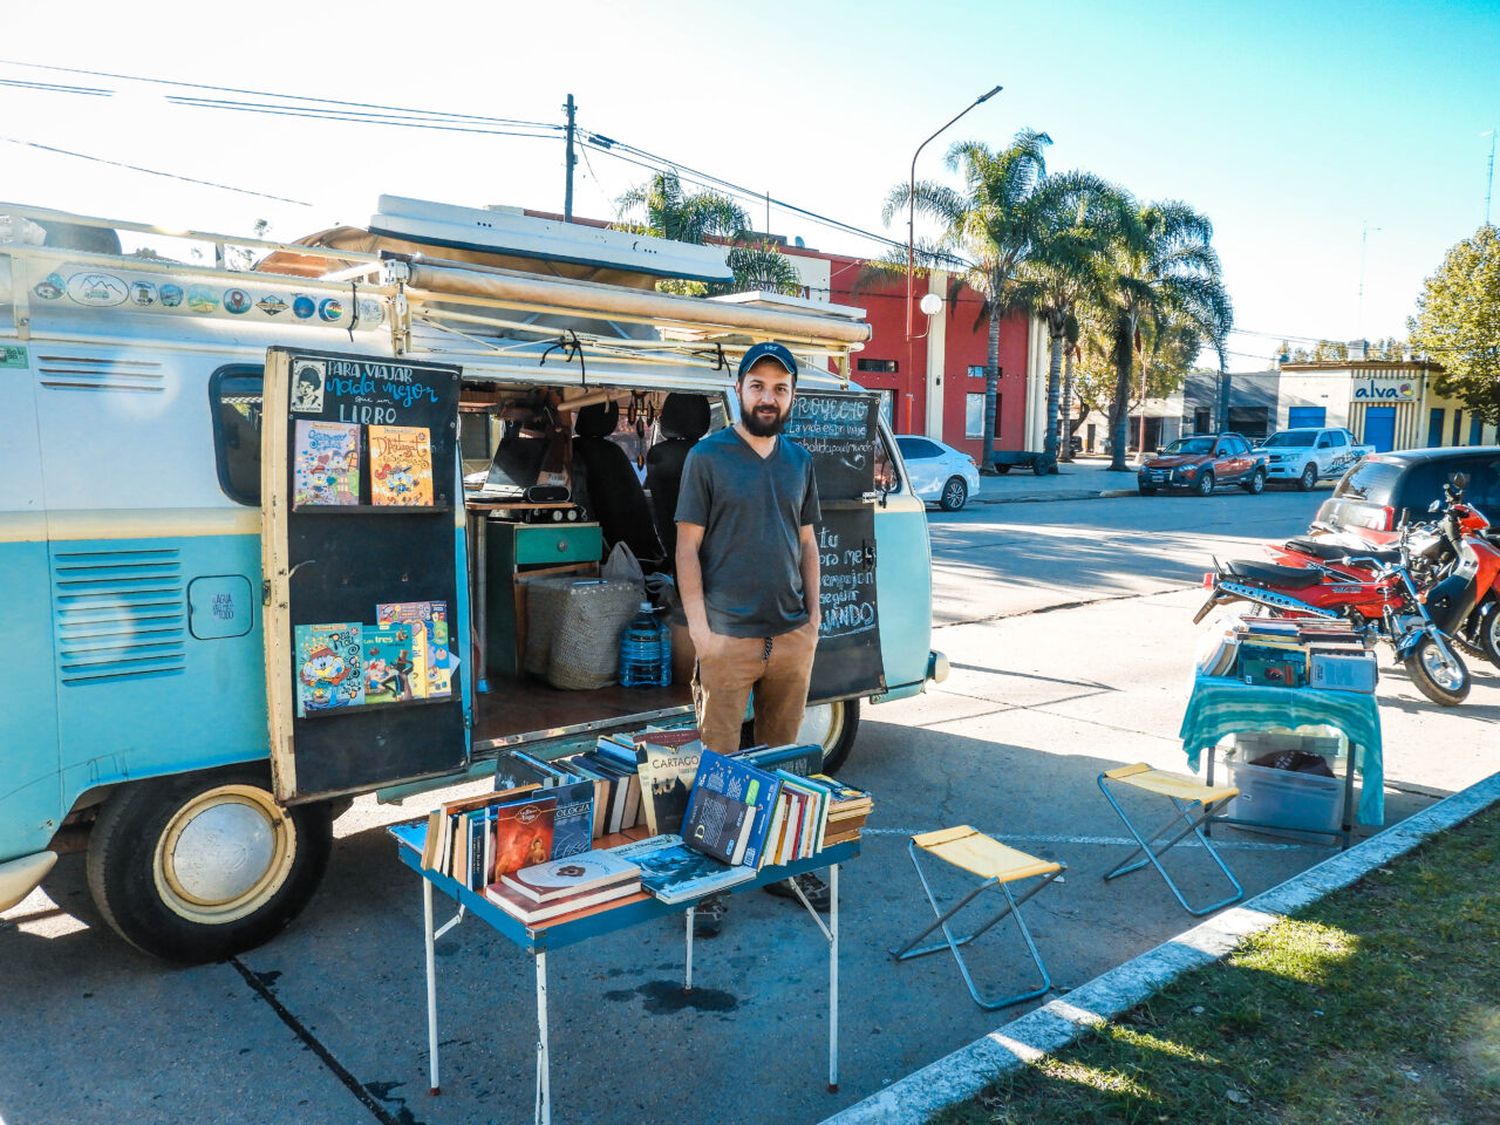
[997,866]
[1185,793]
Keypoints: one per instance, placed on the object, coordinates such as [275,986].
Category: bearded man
[747,572]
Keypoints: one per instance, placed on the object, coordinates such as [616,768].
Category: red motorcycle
[1461,538]
[1377,594]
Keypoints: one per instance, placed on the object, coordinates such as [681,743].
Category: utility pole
[571,160]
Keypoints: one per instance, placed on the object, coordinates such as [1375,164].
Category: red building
[934,383]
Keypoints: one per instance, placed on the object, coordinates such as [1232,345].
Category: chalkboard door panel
[848,659]
[840,430]
[359,532]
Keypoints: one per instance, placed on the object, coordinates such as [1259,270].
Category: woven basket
[573,629]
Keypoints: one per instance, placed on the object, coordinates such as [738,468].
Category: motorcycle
[1461,537]
[1375,593]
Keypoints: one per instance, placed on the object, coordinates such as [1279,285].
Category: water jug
[645,651]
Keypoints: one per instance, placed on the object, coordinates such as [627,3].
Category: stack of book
[848,809]
[1284,651]
[610,767]
[562,886]
[476,840]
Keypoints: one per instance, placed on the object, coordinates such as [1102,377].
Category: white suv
[1308,455]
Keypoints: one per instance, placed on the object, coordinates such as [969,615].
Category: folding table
[540,938]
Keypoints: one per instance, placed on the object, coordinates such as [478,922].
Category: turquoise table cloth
[1221,706]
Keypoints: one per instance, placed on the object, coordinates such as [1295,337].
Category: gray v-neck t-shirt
[752,510]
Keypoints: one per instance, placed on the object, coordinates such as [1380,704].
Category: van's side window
[235,398]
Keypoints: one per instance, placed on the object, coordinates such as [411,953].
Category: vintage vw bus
[222,490]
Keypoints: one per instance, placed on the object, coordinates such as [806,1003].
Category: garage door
[1299,416]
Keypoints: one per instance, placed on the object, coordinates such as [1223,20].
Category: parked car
[1372,497]
[1201,463]
[939,473]
[1308,454]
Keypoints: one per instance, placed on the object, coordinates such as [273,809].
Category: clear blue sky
[1290,124]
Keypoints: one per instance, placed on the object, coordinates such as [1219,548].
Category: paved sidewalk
[1083,479]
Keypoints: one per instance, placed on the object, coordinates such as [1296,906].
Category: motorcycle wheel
[1443,683]
[1489,634]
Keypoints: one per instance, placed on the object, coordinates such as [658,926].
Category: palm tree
[1164,267]
[661,208]
[992,226]
[1079,216]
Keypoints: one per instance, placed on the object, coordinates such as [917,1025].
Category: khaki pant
[776,669]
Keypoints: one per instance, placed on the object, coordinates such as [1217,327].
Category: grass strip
[1379,1003]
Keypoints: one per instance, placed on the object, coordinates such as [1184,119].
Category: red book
[522,835]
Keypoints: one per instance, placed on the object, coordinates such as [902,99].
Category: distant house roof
[1370,365]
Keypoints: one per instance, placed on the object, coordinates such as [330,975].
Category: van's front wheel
[201,866]
[833,726]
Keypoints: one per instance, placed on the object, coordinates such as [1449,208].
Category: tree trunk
[1057,327]
[1067,406]
[1120,408]
[991,391]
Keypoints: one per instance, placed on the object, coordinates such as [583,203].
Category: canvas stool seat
[996,866]
[1194,803]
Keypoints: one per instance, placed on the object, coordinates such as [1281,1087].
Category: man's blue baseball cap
[768,350]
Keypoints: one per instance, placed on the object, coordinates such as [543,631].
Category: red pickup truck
[1201,463]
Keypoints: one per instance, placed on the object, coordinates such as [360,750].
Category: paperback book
[739,782]
[390,663]
[433,676]
[674,872]
[666,770]
[329,667]
[401,466]
[523,833]
[325,464]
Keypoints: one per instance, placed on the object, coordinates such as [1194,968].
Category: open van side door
[362,522]
[840,430]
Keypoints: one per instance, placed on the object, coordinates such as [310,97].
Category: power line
[150,171]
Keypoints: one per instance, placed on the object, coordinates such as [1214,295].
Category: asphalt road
[1069,628]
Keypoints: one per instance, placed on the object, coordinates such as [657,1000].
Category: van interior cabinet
[512,549]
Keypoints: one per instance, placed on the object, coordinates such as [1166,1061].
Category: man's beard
[757,424]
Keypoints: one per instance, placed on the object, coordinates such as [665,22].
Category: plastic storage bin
[1286,798]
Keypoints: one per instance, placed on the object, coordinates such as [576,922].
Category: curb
[1041,498]
[1059,1023]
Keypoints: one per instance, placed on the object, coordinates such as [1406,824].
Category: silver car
[939,473]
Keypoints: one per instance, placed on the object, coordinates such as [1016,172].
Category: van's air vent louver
[121,615]
[86,373]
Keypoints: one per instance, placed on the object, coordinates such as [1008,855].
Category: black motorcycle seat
[1330,551]
[1265,574]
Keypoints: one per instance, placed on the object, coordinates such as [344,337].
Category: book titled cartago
[729,809]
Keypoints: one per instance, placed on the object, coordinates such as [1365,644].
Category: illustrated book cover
[559,878]
[325,464]
[523,833]
[433,677]
[390,665]
[674,872]
[329,667]
[573,820]
[401,466]
[666,770]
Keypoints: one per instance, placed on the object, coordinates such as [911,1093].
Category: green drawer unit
[555,544]
[515,548]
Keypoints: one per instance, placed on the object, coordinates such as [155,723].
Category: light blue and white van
[161,571]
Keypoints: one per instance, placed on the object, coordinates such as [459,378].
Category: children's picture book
[329,667]
[666,770]
[529,911]
[401,466]
[432,677]
[390,662]
[742,782]
[523,833]
[573,822]
[325,464]
[587,871]
[674,872]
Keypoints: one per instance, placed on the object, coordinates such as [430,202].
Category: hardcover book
[573,821]
[666,771]
[325,464]
[523,833]
[401,466]
[329,667]
[674,872]
[739,781]
[529,911]
[559,878]
[390,663]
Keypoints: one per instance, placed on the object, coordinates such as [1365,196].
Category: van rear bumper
[937,667]
[19,877]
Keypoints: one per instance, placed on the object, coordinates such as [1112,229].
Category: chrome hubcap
[224,854]
[1443,671]
[821,724]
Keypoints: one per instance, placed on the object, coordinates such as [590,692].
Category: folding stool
[1184,793]
[997,866]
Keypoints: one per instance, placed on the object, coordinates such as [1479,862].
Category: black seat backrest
[684,419]
[614,493]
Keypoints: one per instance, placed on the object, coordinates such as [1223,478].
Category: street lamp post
[911,216]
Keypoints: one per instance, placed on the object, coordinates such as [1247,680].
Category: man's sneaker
[812,886]
[708,916]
